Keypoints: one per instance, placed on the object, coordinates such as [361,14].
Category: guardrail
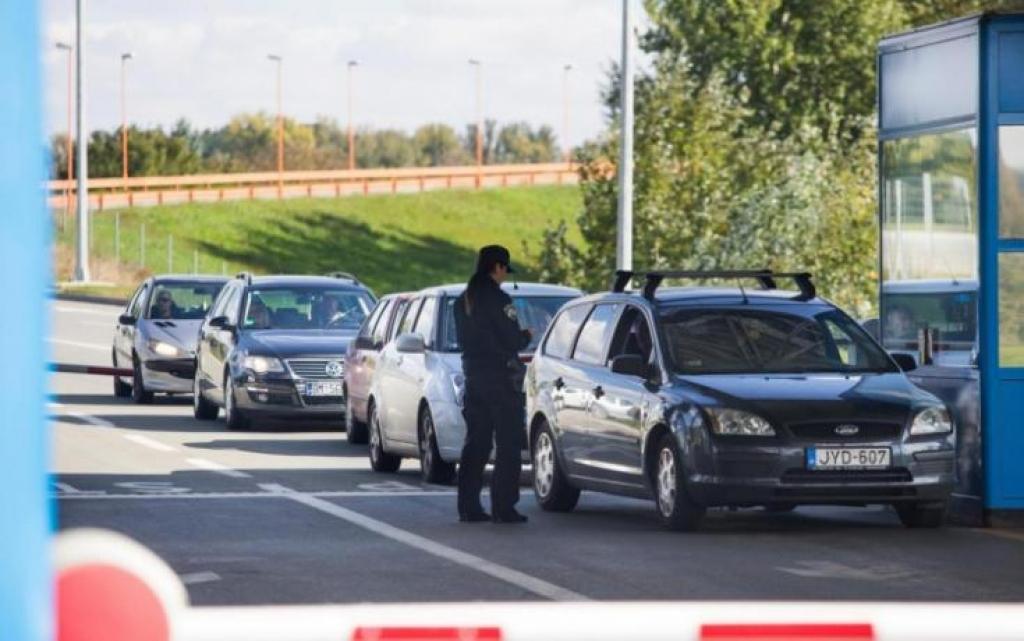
[105,193]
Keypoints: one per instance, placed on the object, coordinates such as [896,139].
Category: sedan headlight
[164,349]
[738,423]
[263,364]
[933,420]
[459,388]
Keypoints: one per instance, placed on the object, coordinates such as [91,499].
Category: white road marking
[85,310]
[387,486]
[151,488]
[519,579]
[95,346]
[183,493]
[88,418]
[149,442]
[833,570]
[194,578]
[217,467]
[68,489]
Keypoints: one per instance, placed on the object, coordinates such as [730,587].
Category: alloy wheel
[543,465]
[375,446]
[229,399]
[426,451]
[666,482]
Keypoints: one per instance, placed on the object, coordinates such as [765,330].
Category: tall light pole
[69,146]
[125,57]
[351,136]
[82,227]
[565,113]
[479,119]
[624,236]
[280,126]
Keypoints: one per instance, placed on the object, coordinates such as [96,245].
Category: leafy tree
[438,145]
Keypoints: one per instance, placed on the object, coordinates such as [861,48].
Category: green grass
[392,242]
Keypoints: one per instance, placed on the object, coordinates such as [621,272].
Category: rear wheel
[380,460]
[121,389]
[922,515]
[202,408]
[552,489]
[139,393]
[432,467]
[355,431]
[233,416]
[677,510]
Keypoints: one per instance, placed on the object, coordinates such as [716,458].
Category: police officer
[489,332]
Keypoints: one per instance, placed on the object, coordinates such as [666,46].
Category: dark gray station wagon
[708,397]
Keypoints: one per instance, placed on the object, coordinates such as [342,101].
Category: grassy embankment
[392,242]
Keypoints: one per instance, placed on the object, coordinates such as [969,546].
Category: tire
[676,509]
[380,461]
[551,488]
[355,431]
[235,419]
[433,468]
[121,389]
[922,515]
[202,408]
[139,392]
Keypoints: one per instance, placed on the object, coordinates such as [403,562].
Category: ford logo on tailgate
[847,430]
[334,369]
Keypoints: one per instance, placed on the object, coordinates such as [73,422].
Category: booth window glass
[930,245]
[1011,309]
[1011,182]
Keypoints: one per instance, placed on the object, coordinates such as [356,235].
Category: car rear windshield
[182,301]
[534,312]
[306,308]
[735,341]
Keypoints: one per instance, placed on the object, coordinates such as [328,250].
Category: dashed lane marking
[151,443]
[88,418]
[218,468]
[519,579]
[194,578]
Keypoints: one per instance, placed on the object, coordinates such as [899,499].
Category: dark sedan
[274,347]
[700,397]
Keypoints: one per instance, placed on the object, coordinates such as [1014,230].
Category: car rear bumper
[744,475]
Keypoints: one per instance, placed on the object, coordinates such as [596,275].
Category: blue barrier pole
[25,580]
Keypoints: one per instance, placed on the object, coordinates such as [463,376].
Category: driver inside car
[259,315]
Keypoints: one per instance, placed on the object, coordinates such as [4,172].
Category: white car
[415,402]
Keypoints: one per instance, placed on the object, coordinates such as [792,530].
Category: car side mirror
[631,365]
[906,362]
[220,321]
[126,319]
[410,344]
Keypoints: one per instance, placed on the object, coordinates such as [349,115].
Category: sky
[206,60]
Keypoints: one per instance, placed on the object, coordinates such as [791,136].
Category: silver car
[415,403]
[156,335]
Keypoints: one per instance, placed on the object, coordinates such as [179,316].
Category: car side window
[218,305]
[632,335]
[425,323]
[379,312]
[231,306]
[396,319]
[560,340]
[592,343]
[140,297]
[380,330]
[409,318]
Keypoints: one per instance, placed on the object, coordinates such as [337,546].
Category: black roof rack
[765,277]
[246,276]
[343,275]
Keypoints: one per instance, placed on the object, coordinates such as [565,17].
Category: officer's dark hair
[480,279]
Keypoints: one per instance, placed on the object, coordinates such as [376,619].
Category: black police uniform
[491,340]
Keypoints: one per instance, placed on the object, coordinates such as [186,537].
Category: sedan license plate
[323,388]
[848,458]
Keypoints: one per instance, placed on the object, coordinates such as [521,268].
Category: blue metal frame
[1001,388]
[25,579]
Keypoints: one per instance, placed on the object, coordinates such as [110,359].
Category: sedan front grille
[314,368]
[826,431]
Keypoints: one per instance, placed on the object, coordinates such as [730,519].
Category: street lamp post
[624,236]
[351,136]
[280,127]
[82,220]
[125,57]
[565,113]
[479,120]
[69,146]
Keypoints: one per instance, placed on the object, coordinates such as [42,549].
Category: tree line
[248,143]
[755,143]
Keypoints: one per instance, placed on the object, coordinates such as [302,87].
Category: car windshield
[535,313]
[953,315]
[182,301]
[306,308]
[747,341]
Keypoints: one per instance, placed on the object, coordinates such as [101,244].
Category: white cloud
[205,60]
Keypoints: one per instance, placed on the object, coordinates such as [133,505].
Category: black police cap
[492,255]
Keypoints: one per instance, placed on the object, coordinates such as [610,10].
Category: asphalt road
[292,514]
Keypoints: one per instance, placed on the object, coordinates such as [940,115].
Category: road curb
[87,298]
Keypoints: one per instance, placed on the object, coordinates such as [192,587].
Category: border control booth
[951,206]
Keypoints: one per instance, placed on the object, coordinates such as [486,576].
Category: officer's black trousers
[494,414]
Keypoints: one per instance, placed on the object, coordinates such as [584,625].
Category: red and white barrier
[73,368]
[112,589]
